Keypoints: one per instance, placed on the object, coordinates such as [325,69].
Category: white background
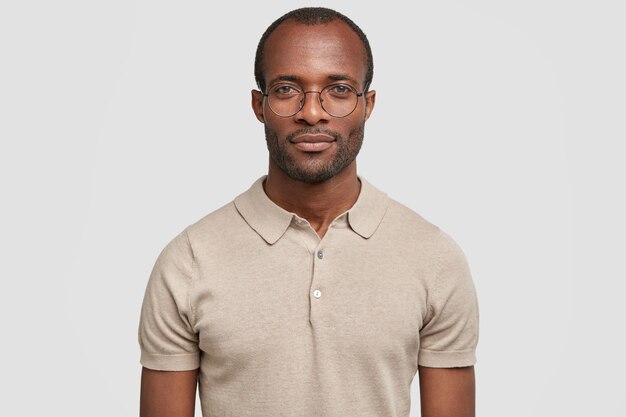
[121,122]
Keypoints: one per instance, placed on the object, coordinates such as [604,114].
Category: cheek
[279,124]
[351,126]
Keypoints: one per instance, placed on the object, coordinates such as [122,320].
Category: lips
[317,142]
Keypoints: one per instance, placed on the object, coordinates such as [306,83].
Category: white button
[317,293]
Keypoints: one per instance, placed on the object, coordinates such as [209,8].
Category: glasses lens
[339,100]
[285,100]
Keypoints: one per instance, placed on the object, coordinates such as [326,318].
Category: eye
[285,90]
[340,90]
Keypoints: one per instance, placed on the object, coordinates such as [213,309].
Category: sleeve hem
[183,362]
[446,359]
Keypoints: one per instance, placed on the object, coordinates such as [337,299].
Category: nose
[312,111]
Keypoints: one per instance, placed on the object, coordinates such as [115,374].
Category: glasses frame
[319,100]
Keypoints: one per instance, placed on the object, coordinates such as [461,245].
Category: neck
[318,203]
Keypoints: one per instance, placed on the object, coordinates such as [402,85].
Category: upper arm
[167,337]
[168,393]
[170,354]
[449,332]
[447,392]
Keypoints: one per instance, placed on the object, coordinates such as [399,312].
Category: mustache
[313,131]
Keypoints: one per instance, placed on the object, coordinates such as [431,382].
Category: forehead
[314,52]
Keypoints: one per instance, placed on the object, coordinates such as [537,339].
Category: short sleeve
[449,333]
[167,338]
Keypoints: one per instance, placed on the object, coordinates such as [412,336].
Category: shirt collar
[271,221]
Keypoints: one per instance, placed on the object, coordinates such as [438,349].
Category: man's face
[313,146]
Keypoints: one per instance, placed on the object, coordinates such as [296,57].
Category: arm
[447,392]
[168,393]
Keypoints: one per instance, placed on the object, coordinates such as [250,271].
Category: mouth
[317,142]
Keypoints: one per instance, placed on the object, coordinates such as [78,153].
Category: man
[312,293]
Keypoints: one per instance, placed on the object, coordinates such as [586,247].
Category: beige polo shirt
[282,323]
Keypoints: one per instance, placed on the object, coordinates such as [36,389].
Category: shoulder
[183,248]
[413,230]
[399,214]
[217,223]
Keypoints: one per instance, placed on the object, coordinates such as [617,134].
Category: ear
[257,105]
[370,100]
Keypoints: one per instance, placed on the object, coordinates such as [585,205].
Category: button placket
[319,254]
[318,291]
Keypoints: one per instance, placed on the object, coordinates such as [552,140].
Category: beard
[314,169]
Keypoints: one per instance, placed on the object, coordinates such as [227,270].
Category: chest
[253,302]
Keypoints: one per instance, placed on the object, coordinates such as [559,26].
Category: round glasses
[338,100]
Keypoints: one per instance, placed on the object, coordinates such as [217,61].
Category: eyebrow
[341,77]
[295,78]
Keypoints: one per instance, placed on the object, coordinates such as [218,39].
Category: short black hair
[311,16]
